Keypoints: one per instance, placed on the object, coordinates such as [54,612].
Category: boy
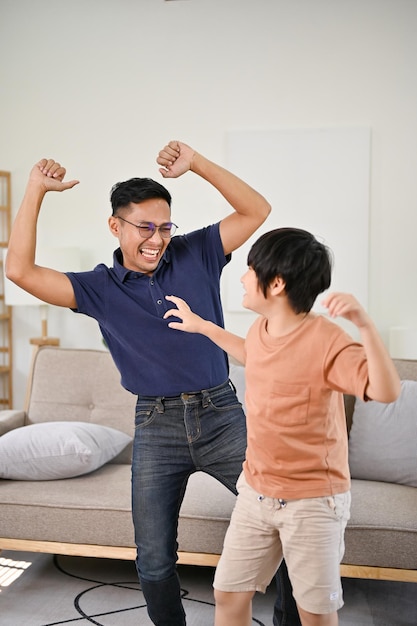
[294,497]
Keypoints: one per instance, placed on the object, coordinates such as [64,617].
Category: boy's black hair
[295,255]
[136,190]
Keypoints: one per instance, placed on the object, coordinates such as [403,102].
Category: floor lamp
[61,259]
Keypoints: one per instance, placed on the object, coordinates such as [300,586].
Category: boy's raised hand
[383,380]
[191,322]
[347,306]
[49,175]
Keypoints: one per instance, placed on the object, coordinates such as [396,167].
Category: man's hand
[49,175]
[176,159]
[345,305]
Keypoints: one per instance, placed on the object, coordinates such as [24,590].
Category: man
[187,416]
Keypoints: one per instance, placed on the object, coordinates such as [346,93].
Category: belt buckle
[187,396]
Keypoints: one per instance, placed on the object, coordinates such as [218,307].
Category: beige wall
[102,84]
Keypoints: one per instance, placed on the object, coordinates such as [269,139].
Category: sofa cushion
[54,450]
[96,509]
[383,439]
[382,528]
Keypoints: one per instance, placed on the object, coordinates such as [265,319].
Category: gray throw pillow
[54,450]
[383,439]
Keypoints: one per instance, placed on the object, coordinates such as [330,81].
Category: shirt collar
[123,273]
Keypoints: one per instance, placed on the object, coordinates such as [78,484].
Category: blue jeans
[175,437]
[285,609]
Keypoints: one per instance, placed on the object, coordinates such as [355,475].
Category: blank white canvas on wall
[315,179]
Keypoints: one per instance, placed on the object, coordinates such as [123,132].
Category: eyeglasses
[147,229]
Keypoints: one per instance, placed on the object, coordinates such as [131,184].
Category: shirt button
[151,282]
[159,302]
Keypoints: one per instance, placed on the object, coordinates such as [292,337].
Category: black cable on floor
[121,585]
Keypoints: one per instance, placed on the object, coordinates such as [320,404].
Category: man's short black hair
[136,190]
[295,255]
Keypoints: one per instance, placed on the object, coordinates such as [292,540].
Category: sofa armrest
[10,419]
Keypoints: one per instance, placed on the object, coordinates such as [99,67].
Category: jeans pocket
[225,400]
[145,415]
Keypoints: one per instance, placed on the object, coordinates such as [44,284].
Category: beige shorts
[308,533]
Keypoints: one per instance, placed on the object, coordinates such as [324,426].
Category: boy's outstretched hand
[191,322]
[49,175]
[345,305]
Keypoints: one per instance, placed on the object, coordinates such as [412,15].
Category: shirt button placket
[158,300]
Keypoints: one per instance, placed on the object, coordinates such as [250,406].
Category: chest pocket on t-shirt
[288,404]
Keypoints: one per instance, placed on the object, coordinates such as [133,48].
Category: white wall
[102,85]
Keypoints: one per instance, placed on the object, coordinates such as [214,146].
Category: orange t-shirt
[297,436]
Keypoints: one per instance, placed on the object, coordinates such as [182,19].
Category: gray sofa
[90,514]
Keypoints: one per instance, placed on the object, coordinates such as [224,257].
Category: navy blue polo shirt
[129,306]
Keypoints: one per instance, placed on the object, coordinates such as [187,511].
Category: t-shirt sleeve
[207,243]
[90,292]
[346,366]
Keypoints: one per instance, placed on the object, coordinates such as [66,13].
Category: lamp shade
[60,259]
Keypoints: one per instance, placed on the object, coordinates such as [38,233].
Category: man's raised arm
[44,283]
[251,208]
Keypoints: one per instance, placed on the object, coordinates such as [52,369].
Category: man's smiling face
[141,254]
